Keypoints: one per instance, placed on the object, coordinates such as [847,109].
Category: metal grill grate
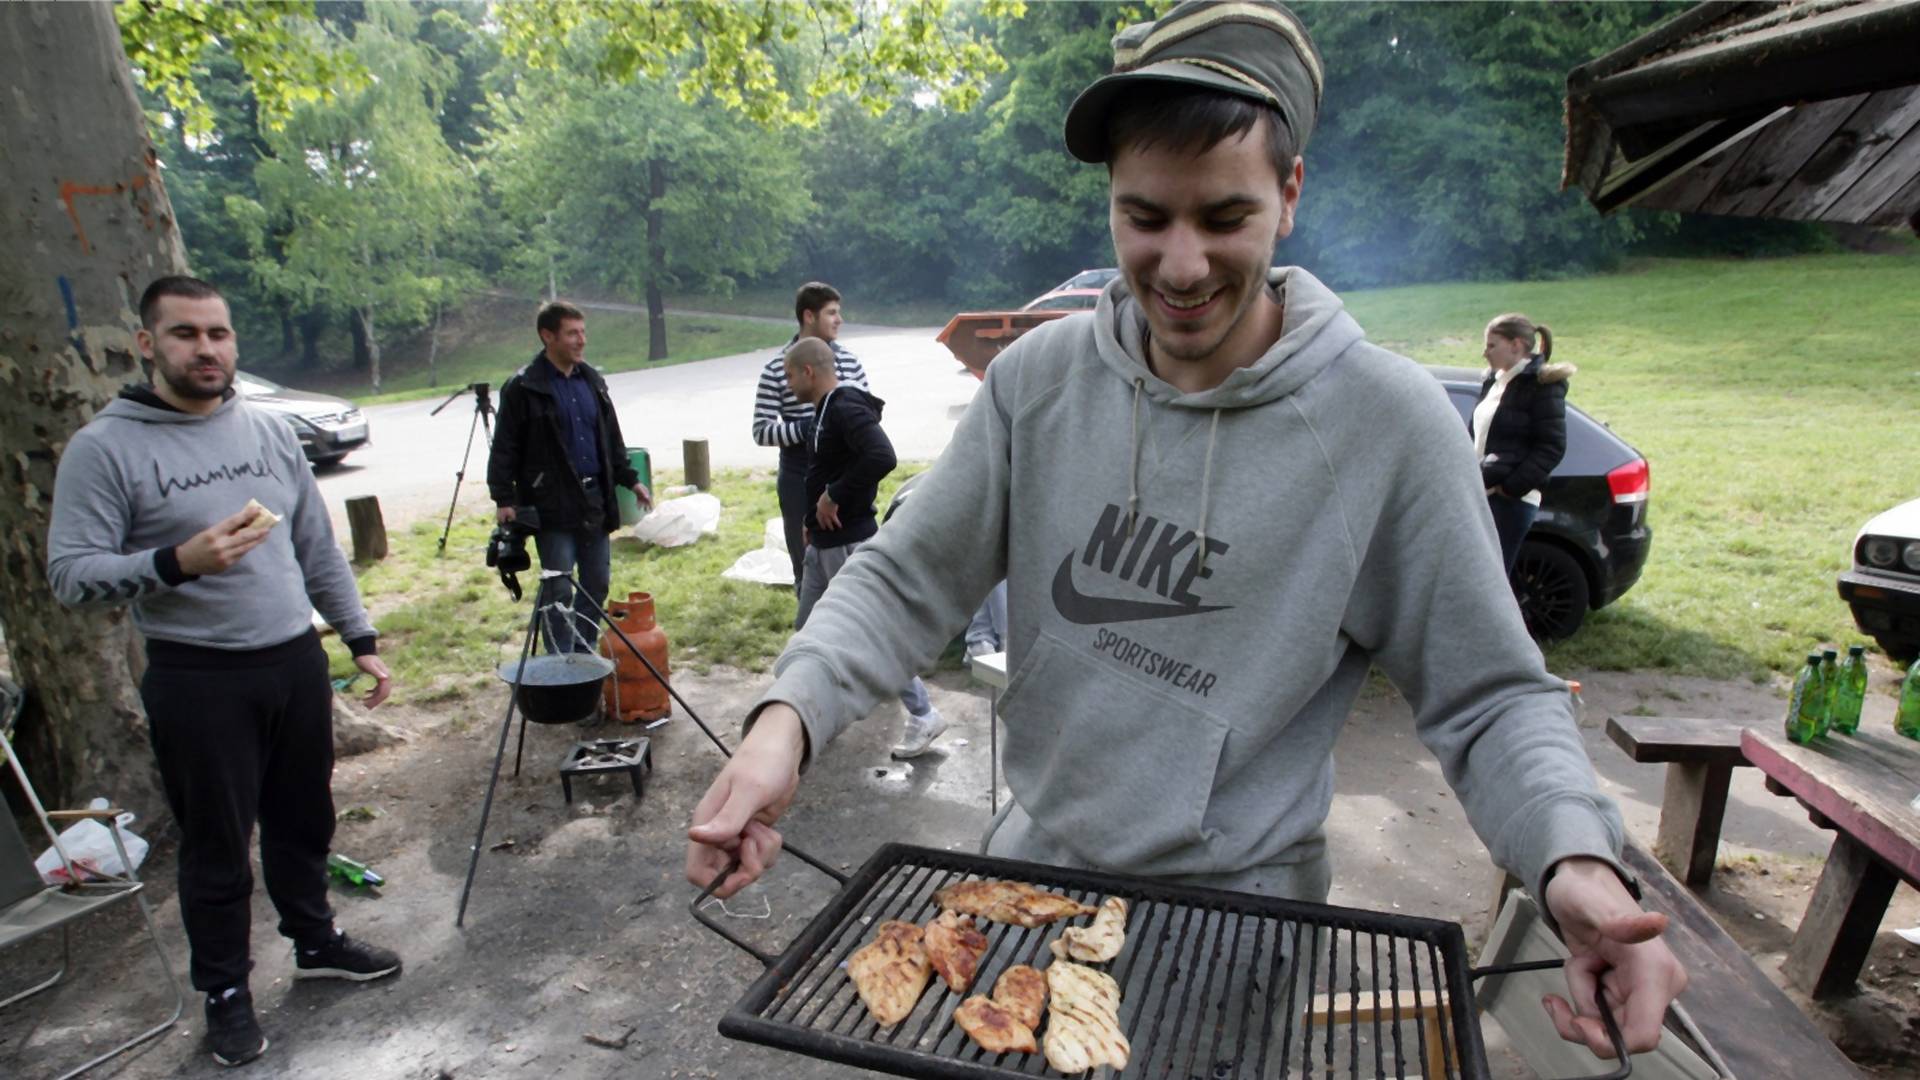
[1210,985]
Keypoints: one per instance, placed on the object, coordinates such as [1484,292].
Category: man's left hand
[1617,950]
[383,679]
[827,512]
[646,497]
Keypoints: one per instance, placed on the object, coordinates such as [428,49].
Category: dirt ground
[579,957]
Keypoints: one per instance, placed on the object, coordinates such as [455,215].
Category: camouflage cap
[1255,49]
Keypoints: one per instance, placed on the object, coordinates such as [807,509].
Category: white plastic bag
[90,845]
[767,564]
[679,522]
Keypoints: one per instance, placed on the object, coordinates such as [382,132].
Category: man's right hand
[503,515]
[736,815]
[218,548]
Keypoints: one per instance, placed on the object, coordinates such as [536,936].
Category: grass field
[493,339]
[1778,402]
[446,622]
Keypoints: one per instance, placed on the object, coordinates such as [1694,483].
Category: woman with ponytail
[1519,425]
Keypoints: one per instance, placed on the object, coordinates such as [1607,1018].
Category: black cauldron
[558,688]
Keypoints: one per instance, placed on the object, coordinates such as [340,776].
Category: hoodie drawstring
[1133,473]
[1206,485]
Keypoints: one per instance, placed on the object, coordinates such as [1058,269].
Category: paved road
[414,456]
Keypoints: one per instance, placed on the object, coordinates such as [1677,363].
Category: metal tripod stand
[482,418]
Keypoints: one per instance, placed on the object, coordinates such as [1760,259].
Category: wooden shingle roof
[1808,110]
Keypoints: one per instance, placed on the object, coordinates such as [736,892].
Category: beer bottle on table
[1829,682]
[1850,691]
[1907,720]
[1808,704]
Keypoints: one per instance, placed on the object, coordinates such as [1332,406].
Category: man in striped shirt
[782,420]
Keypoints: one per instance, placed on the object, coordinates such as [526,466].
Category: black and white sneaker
[344,958]
[232,1032]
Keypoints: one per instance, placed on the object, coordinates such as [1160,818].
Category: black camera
[507,547]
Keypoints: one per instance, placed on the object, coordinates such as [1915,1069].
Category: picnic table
[1861,786]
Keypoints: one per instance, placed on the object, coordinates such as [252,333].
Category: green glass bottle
[1907,720]
[1829,683]
[1809,702]
[352,871]
[1850,691]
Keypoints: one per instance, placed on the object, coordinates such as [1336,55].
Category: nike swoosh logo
[1078,607]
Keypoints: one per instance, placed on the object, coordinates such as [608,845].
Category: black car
[1590,542]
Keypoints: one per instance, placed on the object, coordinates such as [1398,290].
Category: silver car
[329,428]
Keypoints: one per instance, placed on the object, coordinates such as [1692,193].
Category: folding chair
[29,907]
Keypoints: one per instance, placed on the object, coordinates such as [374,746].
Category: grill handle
[1599,999]
[766,959]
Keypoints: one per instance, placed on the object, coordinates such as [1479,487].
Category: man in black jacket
[557,449]
[850,456]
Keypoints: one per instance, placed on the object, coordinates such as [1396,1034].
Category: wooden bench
[1755,1029]
[1700,756]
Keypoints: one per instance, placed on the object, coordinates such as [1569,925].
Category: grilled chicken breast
[994,1026]
[891,971]
[1097,943]
[1022,991]
[1009,902]
[1083,1021]
[954,946]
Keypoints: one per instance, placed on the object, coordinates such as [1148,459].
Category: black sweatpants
[244,736]
[792,486]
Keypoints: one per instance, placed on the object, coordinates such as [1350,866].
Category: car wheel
[1551,588]
[327,462]
[1898,650]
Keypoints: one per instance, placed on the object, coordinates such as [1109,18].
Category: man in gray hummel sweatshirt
[1227,507]
[151,507]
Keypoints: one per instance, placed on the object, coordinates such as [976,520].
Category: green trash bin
[630,509]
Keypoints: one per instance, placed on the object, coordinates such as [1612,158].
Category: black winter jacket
[1527,435]
[851,455]
[530,467]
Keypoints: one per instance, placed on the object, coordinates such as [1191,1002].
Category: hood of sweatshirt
[1315,329]
[1198,587]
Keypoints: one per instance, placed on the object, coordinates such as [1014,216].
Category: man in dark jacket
[850,456]
[557,449]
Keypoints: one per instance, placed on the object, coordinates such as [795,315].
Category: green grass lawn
[445,622]
[493,339]
[1777,401]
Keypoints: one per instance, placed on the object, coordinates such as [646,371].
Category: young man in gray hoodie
[1228,507]
[153,505]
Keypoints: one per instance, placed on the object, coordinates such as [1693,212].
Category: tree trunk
[312,325]
[286,336]
[433,349]
[365,318]
[656,260]
[84,226]
[361,356]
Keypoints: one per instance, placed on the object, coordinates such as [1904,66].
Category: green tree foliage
[774,60]
[627,187]
[1438,151]
[287,58]
[362,192]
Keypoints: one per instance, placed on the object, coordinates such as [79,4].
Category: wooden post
[368,527]
[693,456]
[1841,920]
[1690,819]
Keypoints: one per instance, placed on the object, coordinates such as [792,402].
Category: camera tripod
[482,418]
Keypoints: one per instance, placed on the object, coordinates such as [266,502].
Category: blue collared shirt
[579,413]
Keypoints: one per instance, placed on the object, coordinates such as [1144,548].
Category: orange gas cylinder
[633,694]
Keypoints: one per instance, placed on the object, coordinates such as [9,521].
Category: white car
[329,428]
[1883,588]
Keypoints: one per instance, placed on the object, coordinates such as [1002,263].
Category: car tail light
[1629,483]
